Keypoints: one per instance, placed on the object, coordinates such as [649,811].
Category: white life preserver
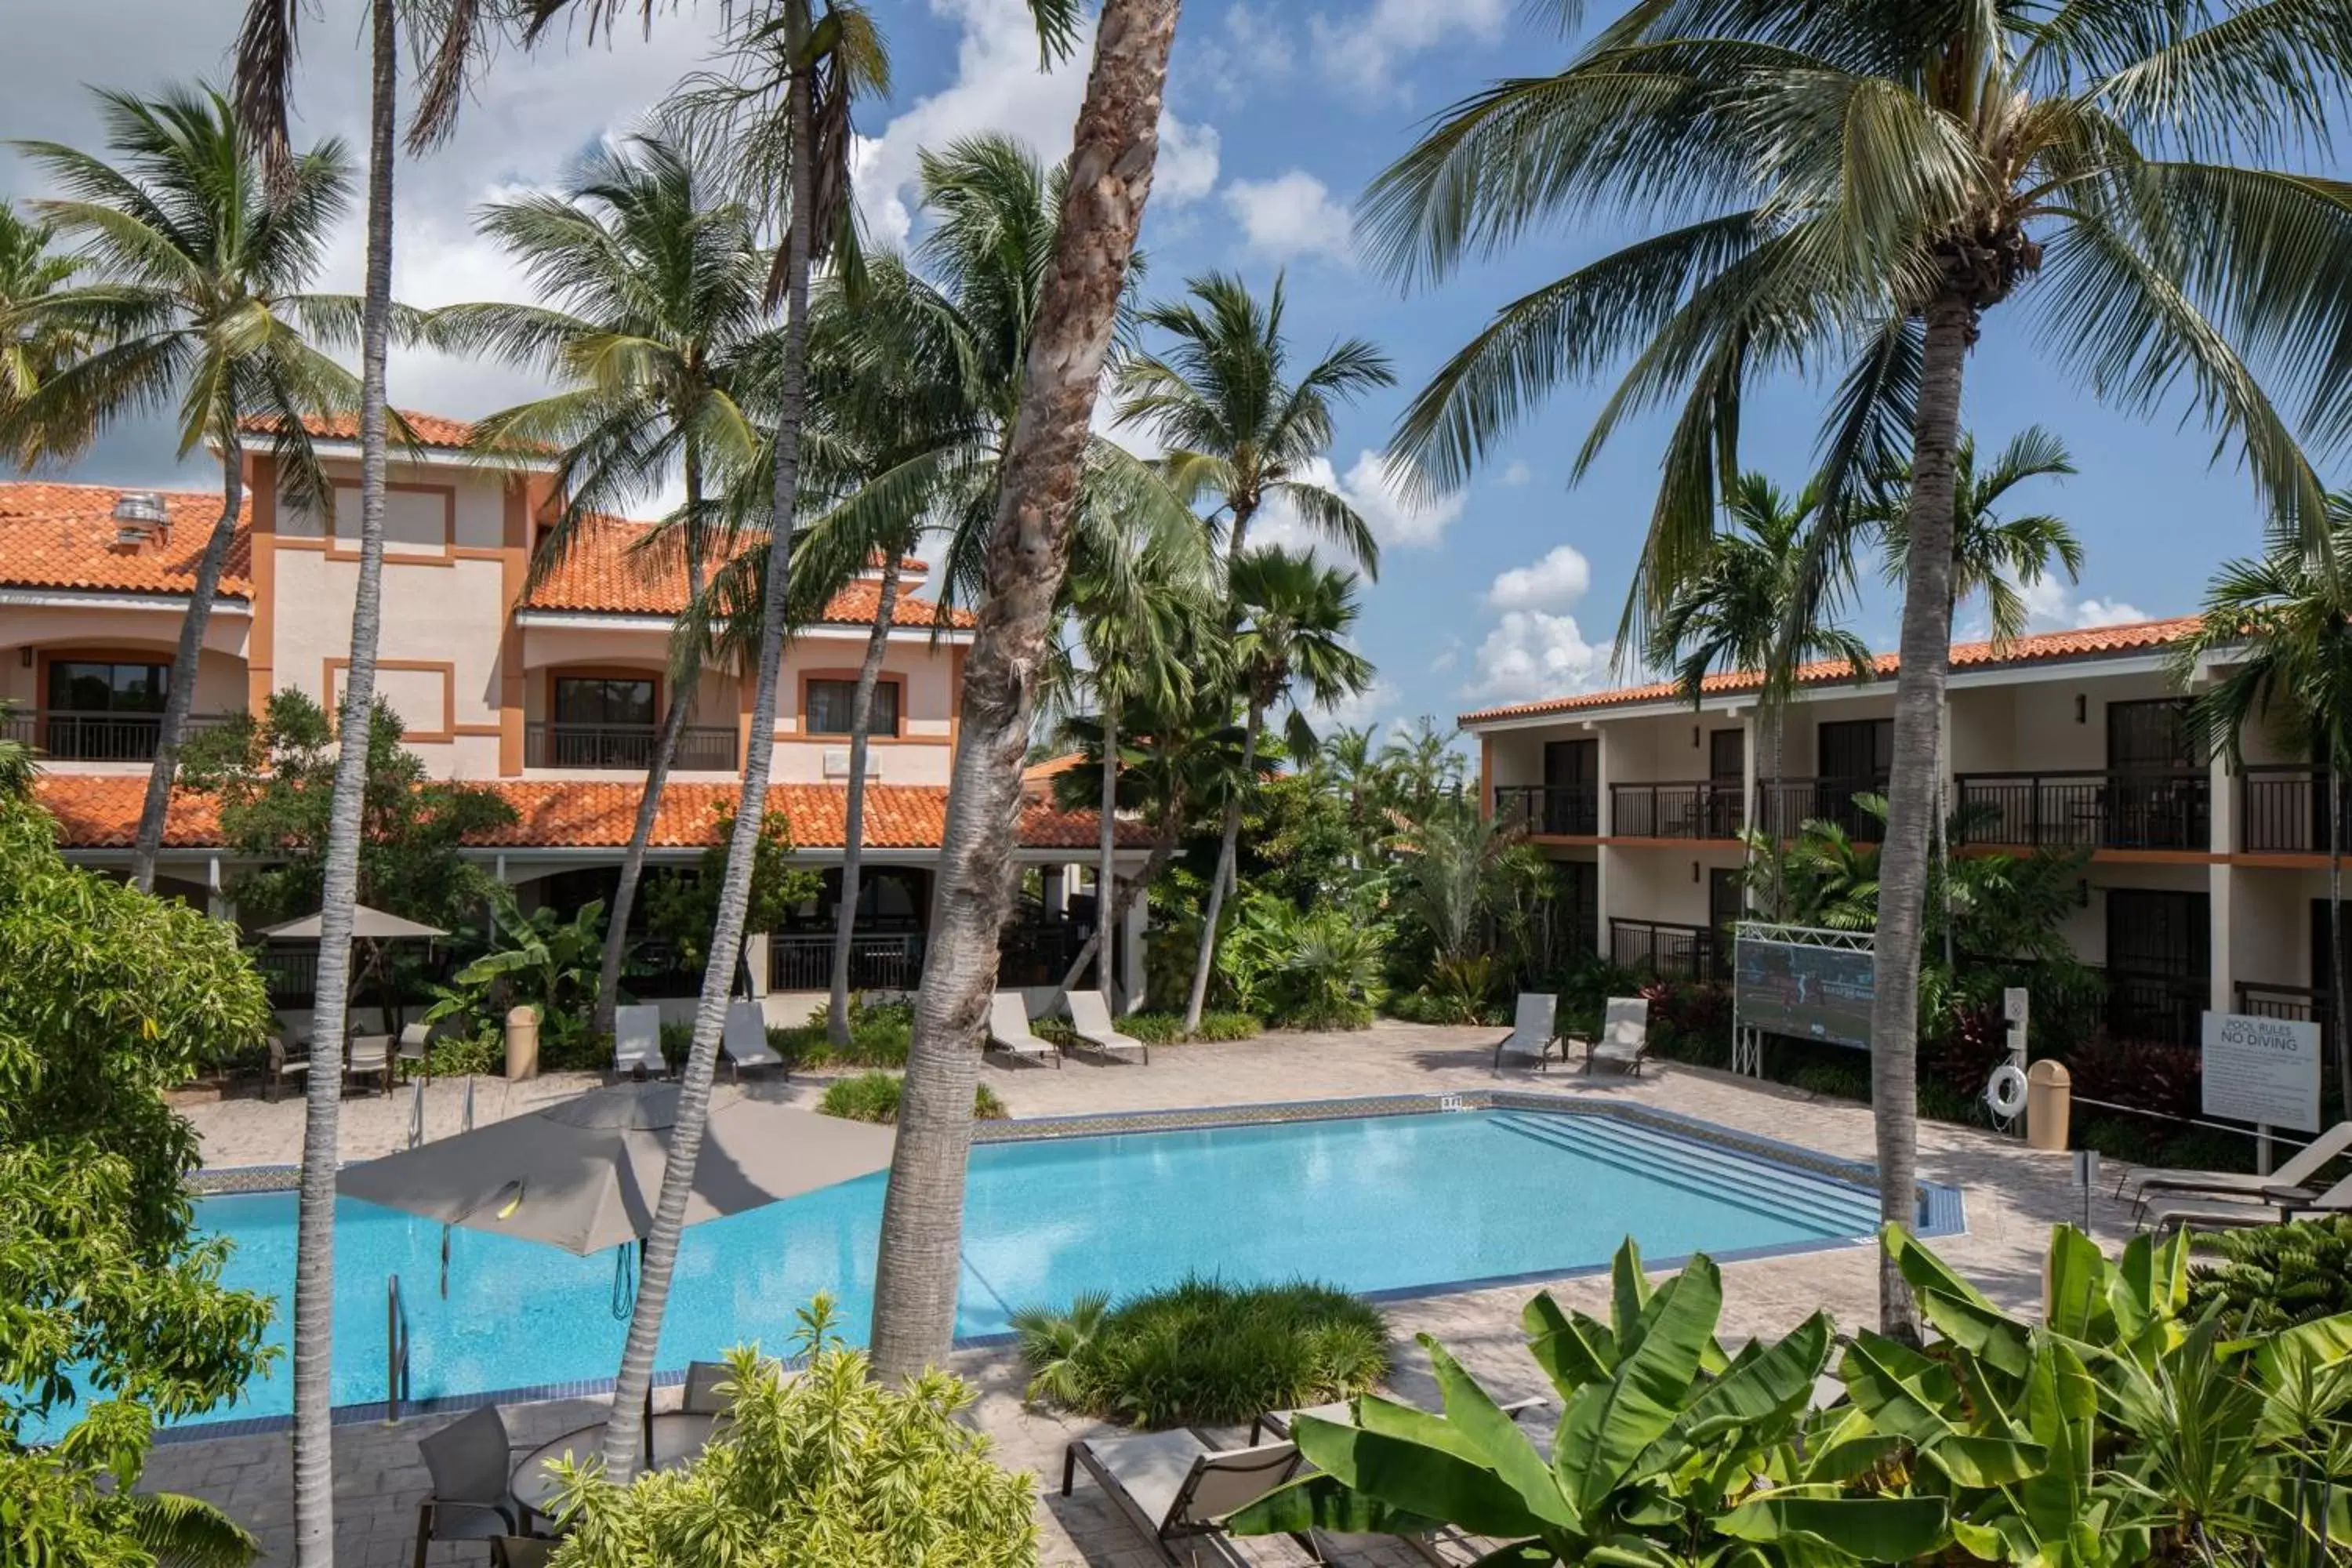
[2005,1091]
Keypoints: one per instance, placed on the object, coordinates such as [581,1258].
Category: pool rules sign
[2263,1070]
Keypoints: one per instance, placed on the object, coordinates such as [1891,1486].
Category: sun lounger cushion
[636,1039]
[1090,1017]
[1009,1030]
[745,1039]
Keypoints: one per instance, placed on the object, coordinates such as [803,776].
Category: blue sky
[1280,113]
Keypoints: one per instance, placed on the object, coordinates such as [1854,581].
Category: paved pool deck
[2011,1196]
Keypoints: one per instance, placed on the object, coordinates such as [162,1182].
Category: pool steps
[1832,1208]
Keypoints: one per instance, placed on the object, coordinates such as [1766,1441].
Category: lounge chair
[704,1383]
[2277,1204]
[469,1461]
[1090,1019]
[1534,1031]
[2309,1162]
[283,1068]
[1009,1031]
[370,1056]
[415,1048]
[636,1041]
[1625,1039]
[1176,1490]
[744,1042]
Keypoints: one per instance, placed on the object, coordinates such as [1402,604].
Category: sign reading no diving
[2263,1070]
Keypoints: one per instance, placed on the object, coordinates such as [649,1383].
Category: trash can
[523,1043]
[2049,1097]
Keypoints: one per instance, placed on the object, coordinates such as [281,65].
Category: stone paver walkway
[2012,1198]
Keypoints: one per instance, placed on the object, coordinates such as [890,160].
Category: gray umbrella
[367,925]
[585,1175]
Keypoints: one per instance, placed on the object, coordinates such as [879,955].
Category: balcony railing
[878,961]
[1705,809]
[1549,809]
[1038,953]
[74,737]
[626,746]
[1668,951]
[2142,809]
[2306,1003]
[2152,1006]
[1789,803]
[2282,810]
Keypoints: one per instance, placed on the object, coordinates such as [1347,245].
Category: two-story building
[2205,886]
[550,692]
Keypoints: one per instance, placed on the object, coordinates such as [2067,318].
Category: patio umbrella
[367,925]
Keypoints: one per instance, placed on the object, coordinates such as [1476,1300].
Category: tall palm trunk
[1106,873]
[314,1235]
[853,839]
[1102,206]
[1163,851]
[1912,790]
[182,695]
[1776,808]
[2339,1015]
[623,1432]
[681,703]
[1227,855]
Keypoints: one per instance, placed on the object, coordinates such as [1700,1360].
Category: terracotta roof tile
[2136,636]
[62,536]
[101,812]
[430,429]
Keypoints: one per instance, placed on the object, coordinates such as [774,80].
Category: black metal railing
[2282,810]
[1038,953]
[878,961]
[626,746]
[1703,809]
[2142,809]
[1668,951]
[72,737]
[2306,1003]
[1549,809]
[1787,805]
[2146,1005]
[290,974]
[658,969]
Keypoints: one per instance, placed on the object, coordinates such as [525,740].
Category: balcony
[1789,803]
[878,961]
[1560,809]
[71,737]
[2142,809]
[2282,810]
[1668,951]
[2306,1004]
[627,747]
[1704,809]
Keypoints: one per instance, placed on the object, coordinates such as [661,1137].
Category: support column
[1606,813]
[1136,927]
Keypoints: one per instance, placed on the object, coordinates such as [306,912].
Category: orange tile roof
[602,575]
[101,810]
[62,536]
[430,429]
[2136,636]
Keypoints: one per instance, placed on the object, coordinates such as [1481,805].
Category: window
[96,685]
[831,702]
[603,700]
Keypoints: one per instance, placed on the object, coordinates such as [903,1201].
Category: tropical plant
[1323,968]
[1459,864]
[1293,619]
[826,1464]
[2284,621]
[2271,1277]
[33,341]
[538,960]
[682,908]
[193,292]
[1854,184]
[1201,1351]
[874,1097]
[1992,555]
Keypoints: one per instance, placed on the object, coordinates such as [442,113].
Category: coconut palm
[1867,185]
[1238,433]
[1992,554]
[1028,550]
[2279,628]
[653,300]
[1295,617]
[33,340]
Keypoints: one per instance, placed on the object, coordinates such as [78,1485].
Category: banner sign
[2263,1070]
[1811,993]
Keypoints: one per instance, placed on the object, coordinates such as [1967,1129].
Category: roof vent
[140,517]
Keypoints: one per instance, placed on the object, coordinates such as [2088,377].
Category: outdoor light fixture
[1694,871]
[2081,709]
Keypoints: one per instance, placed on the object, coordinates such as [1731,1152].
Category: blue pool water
[1371,1203]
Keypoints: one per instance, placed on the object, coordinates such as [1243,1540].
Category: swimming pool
[1377,1203]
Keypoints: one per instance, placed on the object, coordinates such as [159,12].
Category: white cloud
[1446,657]
[1363,51]
[1534,653]
[1373,486]
[1559,579]
[2051,605]
[1515,473]
[1248,52]
[1291,215]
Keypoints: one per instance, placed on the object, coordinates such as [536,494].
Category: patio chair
[370,1056]
[469,1461]
[636,1041]
[2278,1204]
[1534,1031]
[283,1068]
[1625,1039]
[2296,1172]
[703,1380]
[415,1048]
[1090,1020]
[1009,1031]
[744,1042]
[1176,1490]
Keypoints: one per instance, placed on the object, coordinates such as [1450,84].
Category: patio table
[675,1438]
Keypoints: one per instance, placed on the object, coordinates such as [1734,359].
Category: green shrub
[482,1051]
[874,1097]
[1167,1028]
[1230,1026]
[1056,1031]
[1204,1353]
[1833,1083]
[878,1037]
[2273,1277]
[1154,1028]
[678,1042]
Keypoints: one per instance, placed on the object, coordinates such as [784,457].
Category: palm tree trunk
[2339,1015]
[1776,804]
[1104,872]
[1109,177]
[1225,873]
[182,695]
[641,834]
[623,1431]
[1911,792]
[314,1235]
[1163,851]
[853,839]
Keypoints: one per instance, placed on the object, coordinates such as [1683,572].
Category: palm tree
[194,295]
[1732,614]
[2282,627]
[33,341]
[1295,617]
[1028,549]
[653,299]
[1865,184]
[1992,555]
[1238,433]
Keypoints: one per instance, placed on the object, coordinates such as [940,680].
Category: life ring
[2005,1091]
